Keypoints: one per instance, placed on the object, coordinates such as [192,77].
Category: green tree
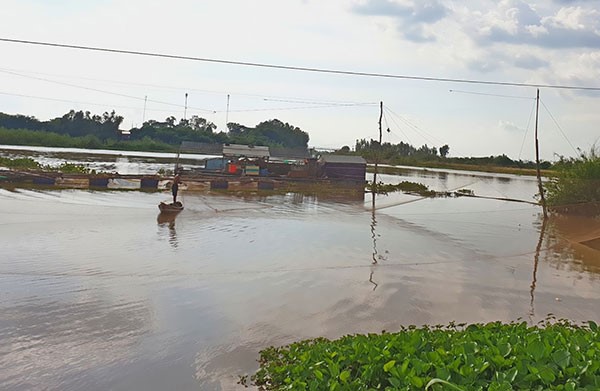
[444,149]
[80,123]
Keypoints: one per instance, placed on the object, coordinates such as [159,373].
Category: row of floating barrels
[149,184]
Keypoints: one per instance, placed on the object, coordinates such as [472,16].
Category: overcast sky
[548,42]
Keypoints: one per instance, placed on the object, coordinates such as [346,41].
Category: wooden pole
[227,114]
[373,189]
[144,115]
[537,156]
[185,107]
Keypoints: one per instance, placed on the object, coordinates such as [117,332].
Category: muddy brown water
[99,291]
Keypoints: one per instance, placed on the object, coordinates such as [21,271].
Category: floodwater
[122,162]
[101,292]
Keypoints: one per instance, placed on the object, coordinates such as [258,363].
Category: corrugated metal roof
[343,159]
[289,153]
[245,150]
[200,148]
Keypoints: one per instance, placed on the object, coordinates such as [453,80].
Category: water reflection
[573,240]
[70,337]
[375,256]
[168,219]
[536,261]
[374,237]
[373,233]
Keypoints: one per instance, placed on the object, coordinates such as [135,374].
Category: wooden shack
[351,168]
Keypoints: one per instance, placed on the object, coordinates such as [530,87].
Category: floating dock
[194,183]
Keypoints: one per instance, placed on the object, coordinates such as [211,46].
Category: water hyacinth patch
[554,355]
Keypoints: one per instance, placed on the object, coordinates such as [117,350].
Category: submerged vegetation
[22,163]
[404,186]
[576,181]
[555,355]
[415,188]
[31,164]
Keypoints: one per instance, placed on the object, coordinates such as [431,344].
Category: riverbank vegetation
[403,154]
[554,355]
[79,129]
[82,129]
[415,188]
[576,181]
[42,138]
[30,164]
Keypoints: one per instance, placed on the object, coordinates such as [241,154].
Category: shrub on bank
[577,181]
[494,356]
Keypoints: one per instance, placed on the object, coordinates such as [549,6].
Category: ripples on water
[100,291]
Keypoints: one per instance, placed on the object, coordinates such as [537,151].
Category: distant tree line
[74,124]
[388,151]
[102,130]
[83,129]
[404,153]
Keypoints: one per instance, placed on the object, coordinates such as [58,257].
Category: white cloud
[510,127]
[574,18]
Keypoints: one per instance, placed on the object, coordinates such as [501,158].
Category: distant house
[238,150]
[125,134]
[215,164]
[352,168]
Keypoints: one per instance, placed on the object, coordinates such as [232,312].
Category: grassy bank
[494,356]
[49,139]
[577,181]
[464,167]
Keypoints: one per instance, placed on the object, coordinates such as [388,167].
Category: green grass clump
[70,168]
[494,356]
[577,181]
[404,186]
[23,163]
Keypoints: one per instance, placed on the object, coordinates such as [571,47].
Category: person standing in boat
[175,186]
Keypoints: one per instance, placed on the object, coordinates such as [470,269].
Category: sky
[555,42]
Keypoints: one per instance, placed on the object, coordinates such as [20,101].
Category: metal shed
[352,168]
[238,150]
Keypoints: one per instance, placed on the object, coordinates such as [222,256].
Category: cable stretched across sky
[302,69]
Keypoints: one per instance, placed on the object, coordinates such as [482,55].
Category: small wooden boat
[170,208]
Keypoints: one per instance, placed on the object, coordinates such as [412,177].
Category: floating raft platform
[190,183]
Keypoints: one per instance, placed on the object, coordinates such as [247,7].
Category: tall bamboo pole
[537,156]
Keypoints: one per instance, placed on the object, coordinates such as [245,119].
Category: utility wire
[294,108]
[79,102]
[321,104]
[332,103]
[296,68]
[104,91]
[426,135]
[559,128]
[494,95]
[159,86]
[527,129]
[399,128]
